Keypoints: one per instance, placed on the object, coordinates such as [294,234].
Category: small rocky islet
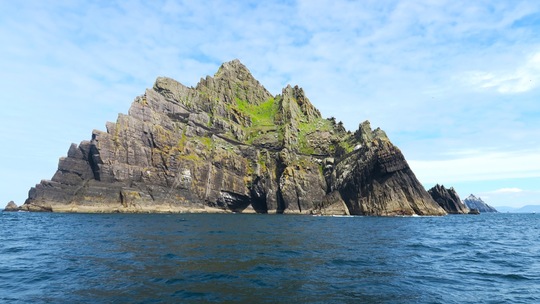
[448,199]
[229,145]
[476,203]
[11,207]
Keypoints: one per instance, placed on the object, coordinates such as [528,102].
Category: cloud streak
[508,190]
[479,166]
[522,79]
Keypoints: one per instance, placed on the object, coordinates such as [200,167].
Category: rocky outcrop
[228,145]
[448,199]
[474,211]
[473,202]
[11,207]
[375,179]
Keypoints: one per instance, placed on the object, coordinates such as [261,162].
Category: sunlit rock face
[228,145]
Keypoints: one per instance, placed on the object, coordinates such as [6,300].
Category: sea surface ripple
[237,258]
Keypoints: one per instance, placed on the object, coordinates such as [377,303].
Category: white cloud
[508,190]
[524,78]
[477,167]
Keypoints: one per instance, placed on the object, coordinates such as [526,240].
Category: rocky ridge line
[448,199]
[473,202]
[228,145]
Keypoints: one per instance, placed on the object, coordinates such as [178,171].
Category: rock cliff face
[228,145]
[473,202]
[448,199]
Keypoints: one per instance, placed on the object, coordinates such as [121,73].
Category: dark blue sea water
[235,258]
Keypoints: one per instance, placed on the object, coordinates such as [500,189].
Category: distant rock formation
[228,145]
[448,199]
[473,202]
[474,211]
[11,206]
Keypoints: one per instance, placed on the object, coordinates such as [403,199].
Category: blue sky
[455,84]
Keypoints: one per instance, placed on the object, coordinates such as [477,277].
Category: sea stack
[11,207]
[229,145]
[473,202]
[448,199]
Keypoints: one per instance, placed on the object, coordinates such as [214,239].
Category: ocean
[248,258]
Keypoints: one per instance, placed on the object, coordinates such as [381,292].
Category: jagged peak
[442,188]
[472,197]
[366,135]
[380,134]
[297,94]
[296,91]
[234,67]
[438,187]
[166,83]
[170,88]
[234,80]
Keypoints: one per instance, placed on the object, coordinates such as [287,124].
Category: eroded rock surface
[228,145]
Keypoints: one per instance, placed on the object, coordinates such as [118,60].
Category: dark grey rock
[474,211]
[448,199]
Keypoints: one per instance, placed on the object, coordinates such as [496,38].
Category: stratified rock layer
[228,145]
[473,202]
[448,199]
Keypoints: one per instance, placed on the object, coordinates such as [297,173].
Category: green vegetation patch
[262,117]
[262,114]
[306,128]
[207,142]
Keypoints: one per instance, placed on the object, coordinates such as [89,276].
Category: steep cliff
[228,145]
[473,202]
[448,199]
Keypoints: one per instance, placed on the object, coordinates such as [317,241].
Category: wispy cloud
[508,190]
[524,78]
[480,166]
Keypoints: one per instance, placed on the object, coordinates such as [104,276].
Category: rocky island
[473,202]
[448,199]
[229,145]
[11,207]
